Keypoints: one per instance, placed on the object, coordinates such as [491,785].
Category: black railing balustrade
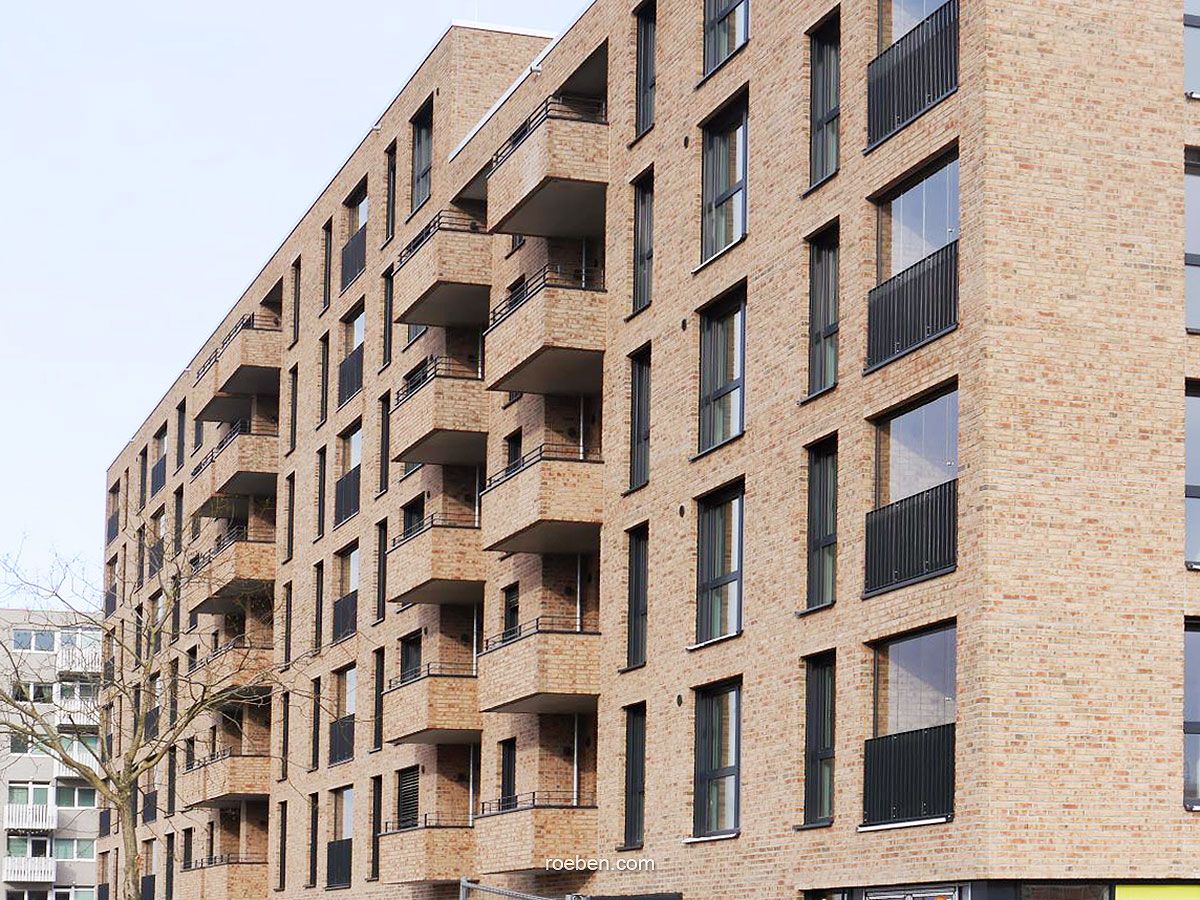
[426,820]
[230,537]
[149,807]
[346,496]
[436,520]
[105,824]
[548,452]
[909,776]
[236,430]
[112,526]
[224,859]
[589,278]
[154,559]
[433,670]
[158,475]
[914,74]
[435,367]
[913,307]
[912,539]
[337,862]
[538,800]
[354,256]
[147,887]
[558,106]
[259,321]
[540,625]
[350,375]
[341,739]
[150,722]
[446,220]
[345,615]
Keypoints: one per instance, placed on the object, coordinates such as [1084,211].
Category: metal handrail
[435,367]
[556,106]
[223,859]
[553,275]
[433,670]
[538,799]
[446,220]
[428,820]
[540,625]
[248,322]
[436,520]
[242,426]
[553,452]
[228,539]
[241,642]
[223,753]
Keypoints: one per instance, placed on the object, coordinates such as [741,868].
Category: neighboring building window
[718,760]
[917,450]
[324,367]
[293,405]
[290,532]
[824,47]
[422,154]
[385,440]
[726,27]
[915,684]
[818,739]
[1192,475]
[1191,715]
[643,241]
[327,273]
[724,180]
[635,774]
[722,364]
[647,26]
[822,523]
[389,303]
[408,797]
[823,311]
[719,565]
[1191,249]
[389,212]
[296,300]
[919,220]
[639,418]
[639,579]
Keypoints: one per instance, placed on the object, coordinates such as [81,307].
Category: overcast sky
[152,156]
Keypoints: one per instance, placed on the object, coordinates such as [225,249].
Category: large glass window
[726,27]
[818,739]
[915,681]
[898,17]
[1192,474]
[724,177]
[719,565]
[825,105]
[647,27]
[1191,715]
[722,366]
[919,220]
[718,758]
[822,523]
[917,449]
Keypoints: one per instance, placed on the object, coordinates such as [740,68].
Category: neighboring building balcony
[441,415]
[437,703]
[913,308]
[548,665]
[518,833]
[79,660]
[223,877]
[432,849]
[438,561]
[443,276]
[30,817]
[912,539]
[243,464]
[550,177]
[234,663]
[548,501]
[246,363]
[225,779]
[30,869]
[548,335]
[65,771]
[913,75]
[77,712]
[223,578]
[909,777]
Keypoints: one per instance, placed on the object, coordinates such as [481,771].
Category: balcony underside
[230,496]
[231,402]
[555,370]
[453,591]
[550,536]
[558,207]
[545,703]
[449,304]
[447,447]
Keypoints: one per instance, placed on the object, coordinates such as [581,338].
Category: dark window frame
[640,388]
[824,43]
[388,326]
[643,241]
[711,392]
[635,776]
[707,698]
[637,609]
[824,274]
[822,483]
[389,212]
[726,125]
[820,728]
[708,519]
[646,75]
[716,13]
[422,155]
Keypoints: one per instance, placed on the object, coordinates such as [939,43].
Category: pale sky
[152,156]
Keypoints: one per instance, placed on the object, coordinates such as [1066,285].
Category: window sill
[813,826]
[342,293]
[715,447]
[346,402]
[717,640]
[637,312]
[387,240]
[420,206]
[815,394]
[340,762]
[722,64]
[709,838]
[912,823]
[625,848]
[378,621]
[633,668]
[808,611]
[721,253]
[817,185]
[630,491]
[637,139]
[337,525]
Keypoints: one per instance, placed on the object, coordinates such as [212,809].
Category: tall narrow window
[718,760]
[293,405]
[508,773]
[635,774]
[321,475]
[919,220]
[285,738]
[818,739]
[327,273]
[315,761]
[314,807]
[422,154]
[376,823]
[1191,715]
[289,544]
[410,656]
[318,633]
[1191,198]
[389,210]
[643,241]
[381,549]
[917,450]
[639,418]
[287,623]
[385,440]
[726,27]
[822,523]
[724,180]
[387,325]
[296,280]
[408,797]
[639,578]
[512,611]
[323,363]
[823,311]
[719,565]
[647,26]
[282,849]
[180,431]
[377,711]
[1192,475]
[722,364]
[825,107]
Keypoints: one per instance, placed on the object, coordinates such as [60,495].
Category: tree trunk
[131,871]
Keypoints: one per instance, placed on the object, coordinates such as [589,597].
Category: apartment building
[52,659]
[741,435]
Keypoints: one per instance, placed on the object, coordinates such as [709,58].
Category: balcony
[225,779]
[30,817]
[550,177]
[912,539]
[354,256]
[350,375]
[913,308]
[913,75]
[158,475]
[30,869]
[547,336]
[64,771]
[436,704]
[341,739]
[242,464]
[245,363]
[338,858]
[548,665]
[518,833]
[548,501]
[234,664]
[443,277]
[345,616]
[222,579]
[79,660]
[225,875]
[436,848]
[346,496]
[438,561]
[441,416]
[909,777]
[113,526]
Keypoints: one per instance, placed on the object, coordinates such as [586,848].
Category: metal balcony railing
[913,307]
[154,558]
[30,868]
[346,495]
[251,322]
[79,659]
[158,475]
[435,367]
[235,431]
[233,535]
[540,625]
[338,855]
[550,452]
[433,670]
[539,800]
[112,526]
[576,278]
[914,74]
[426,820]
[350,375]
[557,106]
[224,859]
[199,762]
[345,615]
[354,256]
[446,220]
[436,520]
[341,739]
[912,539]
[909,776]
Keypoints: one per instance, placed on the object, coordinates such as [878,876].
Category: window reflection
[922,219]
[918,449]
[915,682]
